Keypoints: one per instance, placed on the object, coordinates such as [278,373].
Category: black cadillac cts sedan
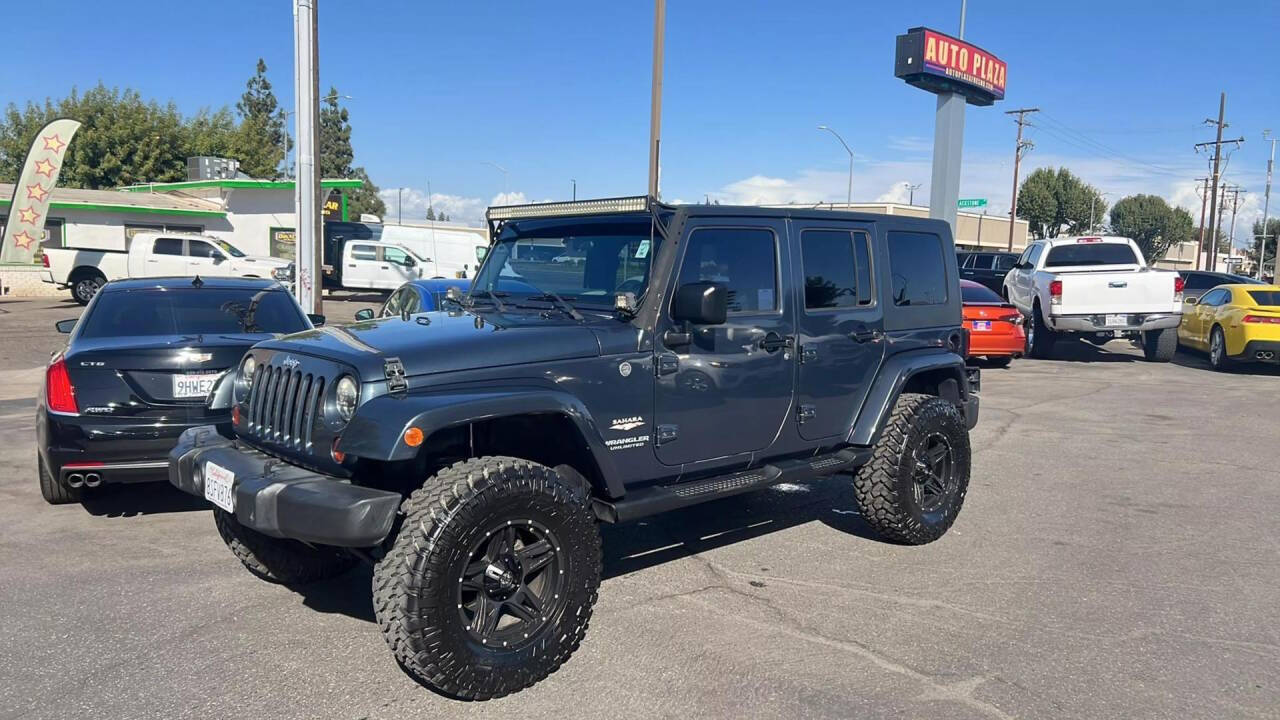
[136,370]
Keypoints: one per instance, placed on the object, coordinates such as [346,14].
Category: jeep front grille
[283,406]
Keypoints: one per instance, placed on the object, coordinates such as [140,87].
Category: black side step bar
[661,498]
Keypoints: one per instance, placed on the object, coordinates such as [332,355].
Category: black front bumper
[283,500]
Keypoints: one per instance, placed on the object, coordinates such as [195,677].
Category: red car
[995,326]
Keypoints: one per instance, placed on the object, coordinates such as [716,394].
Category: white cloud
[412,204]
[911,143]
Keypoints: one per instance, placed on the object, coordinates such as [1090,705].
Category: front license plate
[981,324]
[189,386]
[219,484]
[1116,320]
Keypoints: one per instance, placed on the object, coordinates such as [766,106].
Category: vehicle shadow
[1073,350]
[134,499]
[1189,358]
[664,538]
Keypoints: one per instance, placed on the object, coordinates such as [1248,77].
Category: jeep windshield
[584,261]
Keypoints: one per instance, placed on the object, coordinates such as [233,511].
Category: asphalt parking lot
[1118,556]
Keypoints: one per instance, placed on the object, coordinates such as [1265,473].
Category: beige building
[973,230]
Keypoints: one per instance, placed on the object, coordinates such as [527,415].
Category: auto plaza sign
[940,63]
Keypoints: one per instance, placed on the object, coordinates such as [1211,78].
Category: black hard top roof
[174,283]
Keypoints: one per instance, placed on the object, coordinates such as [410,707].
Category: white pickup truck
[156,255]
[1098,288]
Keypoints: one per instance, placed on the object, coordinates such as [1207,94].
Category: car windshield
[1265,298]
[978,294]
[1093,253]
[229,249]
[188,311]
[585,262]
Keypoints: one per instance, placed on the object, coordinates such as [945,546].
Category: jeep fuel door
[729,388]
[841,338]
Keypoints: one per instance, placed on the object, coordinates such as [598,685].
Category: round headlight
[346,395]
[244,379]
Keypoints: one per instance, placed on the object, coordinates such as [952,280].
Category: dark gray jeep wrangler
[613,359]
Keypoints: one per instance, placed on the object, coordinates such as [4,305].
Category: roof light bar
[639,203]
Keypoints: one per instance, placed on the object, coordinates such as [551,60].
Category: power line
[1060,129]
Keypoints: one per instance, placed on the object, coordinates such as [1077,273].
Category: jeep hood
[440,342]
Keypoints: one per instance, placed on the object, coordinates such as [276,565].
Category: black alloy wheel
[934,474]
[513,584]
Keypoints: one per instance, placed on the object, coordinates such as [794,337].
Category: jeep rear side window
[833,276]
[744,260]
[916,264]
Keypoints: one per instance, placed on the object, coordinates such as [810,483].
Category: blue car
[418,296]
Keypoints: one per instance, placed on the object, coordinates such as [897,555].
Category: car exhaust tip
[92,480]
[75,480]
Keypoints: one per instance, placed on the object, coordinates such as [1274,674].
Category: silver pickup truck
[1098,288]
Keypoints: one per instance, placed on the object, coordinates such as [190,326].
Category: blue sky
[559,91]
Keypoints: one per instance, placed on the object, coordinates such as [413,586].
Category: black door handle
[774,342]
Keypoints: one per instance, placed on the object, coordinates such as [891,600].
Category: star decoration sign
[33,192]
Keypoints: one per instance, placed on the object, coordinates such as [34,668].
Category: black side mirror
[316,319]
[218,257]
[66,326]
[701,303]
[365,314]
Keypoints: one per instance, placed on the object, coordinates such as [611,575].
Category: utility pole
[1266,206]
[1019,148]
[1217,167]
[575,189]
[1235,205]
[911,192]
[306,189]
[1204,199]
[655,97]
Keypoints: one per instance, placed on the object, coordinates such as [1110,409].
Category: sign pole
[655,97]
[306,193]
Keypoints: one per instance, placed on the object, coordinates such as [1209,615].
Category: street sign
[971,203]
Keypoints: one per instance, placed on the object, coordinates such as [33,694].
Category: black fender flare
[378,428]
[894,374]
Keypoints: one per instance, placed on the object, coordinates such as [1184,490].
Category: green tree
[1152,223]
[337,156]
[364,199]
[122,139]
[1267,245]
[261,142]
[211,132]
[1056,201]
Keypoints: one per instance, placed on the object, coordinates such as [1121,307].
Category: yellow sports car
[1234,323]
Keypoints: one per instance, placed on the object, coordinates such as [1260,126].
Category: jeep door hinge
[666,434]
[667,364]
[805,413]
[393,369]
[808,353]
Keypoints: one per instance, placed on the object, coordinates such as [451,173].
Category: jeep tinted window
[833,276]
[585,262]
[916,263]
[744,260]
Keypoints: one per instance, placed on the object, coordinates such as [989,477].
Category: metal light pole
[655,93]
[501,170]
[848,201]
[575,189]
[911,192]
[1092,200]
[1266,207]
[306,189]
